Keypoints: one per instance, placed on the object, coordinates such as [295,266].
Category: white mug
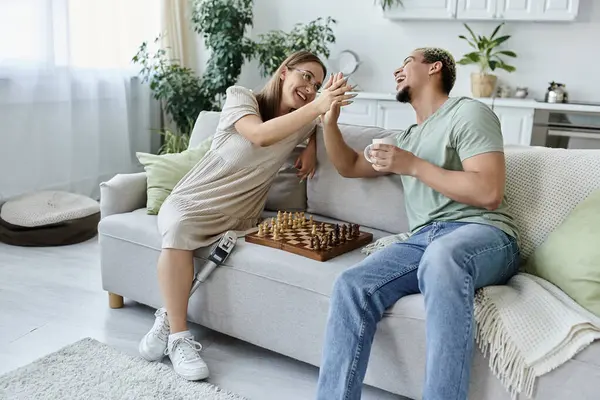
[385,140]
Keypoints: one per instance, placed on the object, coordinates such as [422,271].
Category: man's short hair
[434,54]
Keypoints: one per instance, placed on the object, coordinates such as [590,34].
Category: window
[76,33]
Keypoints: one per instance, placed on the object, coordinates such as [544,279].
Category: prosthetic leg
[217,256]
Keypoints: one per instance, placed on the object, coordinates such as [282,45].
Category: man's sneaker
[184,353]
[153,345]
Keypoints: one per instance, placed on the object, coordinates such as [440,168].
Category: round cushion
[48,218]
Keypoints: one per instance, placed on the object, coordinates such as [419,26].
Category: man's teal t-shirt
[461,128]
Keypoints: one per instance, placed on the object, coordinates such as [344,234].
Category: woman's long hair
[269,98]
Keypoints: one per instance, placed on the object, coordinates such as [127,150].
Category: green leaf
[496,30]
[471,32]
[468,41]
[474,57]
[507,53]
[508,68]
[500,40]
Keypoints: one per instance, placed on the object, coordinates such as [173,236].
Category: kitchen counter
[502,102]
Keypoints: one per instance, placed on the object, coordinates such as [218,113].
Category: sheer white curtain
[72,111]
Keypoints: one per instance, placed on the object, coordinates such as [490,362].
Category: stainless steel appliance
[567,129]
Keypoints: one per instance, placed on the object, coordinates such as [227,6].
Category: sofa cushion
[570,256]
[205,127]
[164,171]
[287,192]
[140,228]
[377,203]
[544,185]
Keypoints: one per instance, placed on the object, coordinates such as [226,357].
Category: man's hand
[332,116]
[392,159]
[306,162]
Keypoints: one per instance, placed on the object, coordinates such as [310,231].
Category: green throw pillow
[166,170]
[570,256]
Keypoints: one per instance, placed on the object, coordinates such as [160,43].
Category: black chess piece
[356,232]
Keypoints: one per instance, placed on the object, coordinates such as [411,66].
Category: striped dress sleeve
[239,102]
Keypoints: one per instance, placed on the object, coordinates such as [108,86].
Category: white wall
[563,52]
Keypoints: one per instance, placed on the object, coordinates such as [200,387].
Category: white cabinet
[516,121]
[516,10]
[556,10]
[476,9]
[486,10]
[394,115]
[423,9]
[361,112]
[516,124]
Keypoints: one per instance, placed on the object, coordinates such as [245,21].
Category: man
[462,238]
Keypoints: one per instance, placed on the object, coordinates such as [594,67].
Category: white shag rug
[90,370]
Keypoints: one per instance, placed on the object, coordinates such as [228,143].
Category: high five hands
[334,96]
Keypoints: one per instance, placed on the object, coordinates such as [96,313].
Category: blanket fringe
[384,242]
[505,360]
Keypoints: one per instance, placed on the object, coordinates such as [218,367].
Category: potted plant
[272,48]
[385,4]
[222,24]
[487,57]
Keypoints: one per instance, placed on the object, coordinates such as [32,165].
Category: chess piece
[314,230]
[261,232]
[356,230]
[317,243]
[322,228]
[312,222]
[278,216]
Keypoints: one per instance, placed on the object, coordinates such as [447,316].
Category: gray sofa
[279,300]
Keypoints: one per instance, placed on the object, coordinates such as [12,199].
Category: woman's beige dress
[227,189]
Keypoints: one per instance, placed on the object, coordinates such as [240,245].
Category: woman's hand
[334,91]
[307,160]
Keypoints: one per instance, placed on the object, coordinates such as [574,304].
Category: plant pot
[483,85]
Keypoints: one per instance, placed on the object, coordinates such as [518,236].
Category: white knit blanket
[527,327]
[530,327]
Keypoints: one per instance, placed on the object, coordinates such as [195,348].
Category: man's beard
[403,95]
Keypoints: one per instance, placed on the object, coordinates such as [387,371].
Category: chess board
[297,237]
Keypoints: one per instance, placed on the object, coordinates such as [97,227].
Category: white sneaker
[184,353]
[153,345]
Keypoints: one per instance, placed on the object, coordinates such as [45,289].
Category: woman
[228,188]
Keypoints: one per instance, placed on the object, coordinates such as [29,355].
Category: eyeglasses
[309,77]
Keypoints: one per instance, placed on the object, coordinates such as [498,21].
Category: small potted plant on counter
[487,57]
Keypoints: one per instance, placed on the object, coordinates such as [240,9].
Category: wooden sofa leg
[115,301]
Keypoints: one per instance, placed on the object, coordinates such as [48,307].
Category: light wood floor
[52,297]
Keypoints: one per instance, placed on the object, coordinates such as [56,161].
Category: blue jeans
[447,262]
